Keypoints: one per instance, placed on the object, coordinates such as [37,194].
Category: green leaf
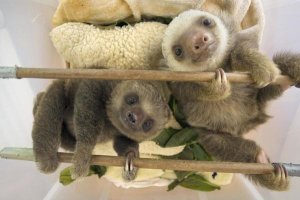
[186,154]
[177,113]
[165,136]
[197,182]
[182,137]
[99,170]
[172,185]
[181,175]
[66,179]
[199,152]
[174,106]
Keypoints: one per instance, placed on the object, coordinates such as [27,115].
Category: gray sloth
[77,114]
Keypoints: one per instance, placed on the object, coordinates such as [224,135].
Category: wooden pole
[180,165]
[112,74]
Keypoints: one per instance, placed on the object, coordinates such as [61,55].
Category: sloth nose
[132,118]
[200,42]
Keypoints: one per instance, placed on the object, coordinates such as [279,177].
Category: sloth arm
[89,112]
[124,145]
[212,91]
[48,118]
[270,92]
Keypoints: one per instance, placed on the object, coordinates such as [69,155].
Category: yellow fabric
[247,13]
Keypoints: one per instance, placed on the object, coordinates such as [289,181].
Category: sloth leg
[48,119]
[129,148]
[225,147]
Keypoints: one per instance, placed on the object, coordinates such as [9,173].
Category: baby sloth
[200,41]
[77,114]
[220,113]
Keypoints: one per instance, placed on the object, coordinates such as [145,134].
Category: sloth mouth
[212,47]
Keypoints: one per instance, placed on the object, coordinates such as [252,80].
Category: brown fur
[222,113]
[240,112]
[78,114]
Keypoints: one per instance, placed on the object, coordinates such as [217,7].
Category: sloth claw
[221,81]
[129,171]
[221,77]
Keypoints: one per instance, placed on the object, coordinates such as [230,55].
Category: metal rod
[112,74]
[179,165]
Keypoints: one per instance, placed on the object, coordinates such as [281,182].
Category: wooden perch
[179,165]
[112,74]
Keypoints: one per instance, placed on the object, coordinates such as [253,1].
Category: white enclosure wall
[24,40]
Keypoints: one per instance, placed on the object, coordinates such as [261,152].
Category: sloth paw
[263,76]
[79,171]
[130,171]
[278,180]
[47,163]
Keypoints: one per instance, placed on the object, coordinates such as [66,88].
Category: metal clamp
[8,72]
[292,169]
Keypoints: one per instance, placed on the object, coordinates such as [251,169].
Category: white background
[24,40]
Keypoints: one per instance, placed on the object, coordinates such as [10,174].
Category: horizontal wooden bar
[180,165]
[112,74]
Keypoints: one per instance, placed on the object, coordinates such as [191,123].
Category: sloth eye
[147,125]
[178,51]
[132,99]
[206,22]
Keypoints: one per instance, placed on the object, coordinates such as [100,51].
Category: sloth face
[138,109]
[195,41]
[198,43]
[134,116]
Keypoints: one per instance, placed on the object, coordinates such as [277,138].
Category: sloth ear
[172,123]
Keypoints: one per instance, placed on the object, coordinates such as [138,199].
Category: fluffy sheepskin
[127,47]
